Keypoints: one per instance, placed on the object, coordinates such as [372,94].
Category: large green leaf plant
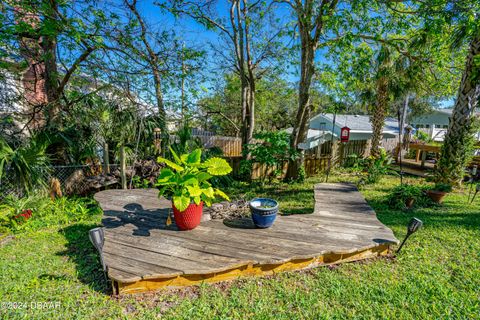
[185,180]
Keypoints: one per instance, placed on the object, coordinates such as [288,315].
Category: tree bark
[377,119]
[454,152]
[41,78]
[300,128]
[402,116]
[123,167]
[106,159]
[310,21]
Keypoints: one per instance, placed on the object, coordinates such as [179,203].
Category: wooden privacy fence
[316,159]
[315,166]
[231,146]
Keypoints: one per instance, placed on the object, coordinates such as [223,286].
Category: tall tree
[459,137]
[152,58]
[459,21]
[246,28]
[39,28]
[311,17]
[275,101]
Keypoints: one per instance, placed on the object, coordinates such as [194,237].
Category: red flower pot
[190,218]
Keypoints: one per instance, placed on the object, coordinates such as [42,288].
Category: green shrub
[26,164]
[139,183]
[400,194]
[44,212]
[375,168]
[421,137]
[442,187]
[272,150]
[352,161]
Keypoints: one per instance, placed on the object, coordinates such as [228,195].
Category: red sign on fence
[345,134]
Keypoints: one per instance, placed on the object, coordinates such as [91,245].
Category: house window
[445,126]
[323,126]
[427,126]
[420,126]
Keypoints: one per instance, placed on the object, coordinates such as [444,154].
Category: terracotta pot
[190,218]
[409,202]
[436,196]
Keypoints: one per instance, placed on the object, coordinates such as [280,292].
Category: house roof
[359,123]
[449,111]
[445,110]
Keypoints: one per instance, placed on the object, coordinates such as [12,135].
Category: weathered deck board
[142,253]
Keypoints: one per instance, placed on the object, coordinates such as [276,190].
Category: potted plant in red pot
[186,182]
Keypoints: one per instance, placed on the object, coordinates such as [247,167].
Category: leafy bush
[26,163]
[185,141]
[421,137]
[442,187]
[400,194]
[376,167]
[37,211]
[186,180]
[272,150]
[139,183]
[352,161]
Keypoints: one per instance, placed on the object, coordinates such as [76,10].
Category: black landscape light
[412,227]
[477,189]
[97,237]
[471,181]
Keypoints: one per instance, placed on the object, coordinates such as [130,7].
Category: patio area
[142,253]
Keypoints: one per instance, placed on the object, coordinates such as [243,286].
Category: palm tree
[398,77]
[26,164]
[384,79]
[458,140]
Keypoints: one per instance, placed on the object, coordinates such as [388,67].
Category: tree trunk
[454,152]
[378,116]
[41,78]
[152,60]
[51,80]
[300,128]
[402,113]
[245,111]
[106,159]
[159,96]
[251,110]
[123,167]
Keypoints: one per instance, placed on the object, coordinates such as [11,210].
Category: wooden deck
[412,167]
[142,253]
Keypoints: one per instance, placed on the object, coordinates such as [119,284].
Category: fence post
[123,167]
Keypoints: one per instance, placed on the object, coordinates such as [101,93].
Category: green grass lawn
[436,276]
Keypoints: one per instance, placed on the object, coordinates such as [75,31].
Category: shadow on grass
[434,216]
[81,251]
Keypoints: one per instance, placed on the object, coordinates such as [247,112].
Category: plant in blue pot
[264,212]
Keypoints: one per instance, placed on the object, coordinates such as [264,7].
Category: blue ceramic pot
[264,211]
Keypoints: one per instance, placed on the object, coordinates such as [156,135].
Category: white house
[321,128]
[435,123]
